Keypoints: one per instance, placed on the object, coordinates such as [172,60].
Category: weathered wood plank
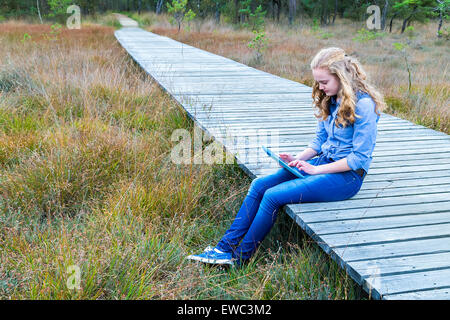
[372,202]
[382,134]
[344,214]
[274,123]
[383,267]
[388,235]
[433,294]
[392,250]
[408,282]
[379,223]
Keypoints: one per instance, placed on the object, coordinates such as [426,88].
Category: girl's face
[328,83]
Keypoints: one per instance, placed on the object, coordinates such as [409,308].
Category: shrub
[364,35]
[259,44]
[178,10]
[410,33]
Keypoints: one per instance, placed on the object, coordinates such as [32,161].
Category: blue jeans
[269,193]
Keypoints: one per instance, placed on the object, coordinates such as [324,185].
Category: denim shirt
[356,141]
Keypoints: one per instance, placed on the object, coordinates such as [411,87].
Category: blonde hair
[352,78]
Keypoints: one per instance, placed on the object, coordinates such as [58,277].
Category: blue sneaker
[213,256]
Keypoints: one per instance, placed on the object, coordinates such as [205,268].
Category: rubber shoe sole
[209,260]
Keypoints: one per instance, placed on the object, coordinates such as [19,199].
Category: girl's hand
[286,157]
[304,166]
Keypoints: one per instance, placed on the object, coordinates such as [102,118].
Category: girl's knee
[271,196]
[257,186]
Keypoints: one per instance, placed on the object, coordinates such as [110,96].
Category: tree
[292,10]
[218,6]
[159,6]
[384,14]
[413,10]
[178,9]
[58,8]
[38,10]
[277,4]
[335,11]
[442,8]
[245,10]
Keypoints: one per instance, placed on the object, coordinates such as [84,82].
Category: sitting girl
[348,111]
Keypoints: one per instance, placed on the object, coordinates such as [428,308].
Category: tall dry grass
[86,180]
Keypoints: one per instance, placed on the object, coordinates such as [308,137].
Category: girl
[348,112]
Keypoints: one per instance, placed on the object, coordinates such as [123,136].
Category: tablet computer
[293,170]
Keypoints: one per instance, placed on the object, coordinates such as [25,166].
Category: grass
[86,180]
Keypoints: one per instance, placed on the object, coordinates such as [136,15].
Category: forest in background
[324,12]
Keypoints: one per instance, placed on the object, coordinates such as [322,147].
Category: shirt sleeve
[364,135]
[320,138]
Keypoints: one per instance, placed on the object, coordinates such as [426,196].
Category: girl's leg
[249,208]
[313,188]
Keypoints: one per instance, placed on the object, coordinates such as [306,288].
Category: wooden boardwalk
[393,237]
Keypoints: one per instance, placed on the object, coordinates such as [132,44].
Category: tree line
[323,12]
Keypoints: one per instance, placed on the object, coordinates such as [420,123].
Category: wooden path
[393,237]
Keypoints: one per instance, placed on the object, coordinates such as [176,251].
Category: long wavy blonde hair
[352,78]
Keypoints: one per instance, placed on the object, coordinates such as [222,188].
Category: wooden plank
[311,214]
[392,250]
[372,202]
[388,266]
[382,134]
[207,84]
[259,113]
[421,189]
[385,185]
[435,294]
[379,223]
[409,282]
[388,235]
[246,124]
[249,97]
[282,115]
[372,269]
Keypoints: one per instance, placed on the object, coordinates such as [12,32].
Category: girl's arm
[333,167]
[306,154]
[337,166]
